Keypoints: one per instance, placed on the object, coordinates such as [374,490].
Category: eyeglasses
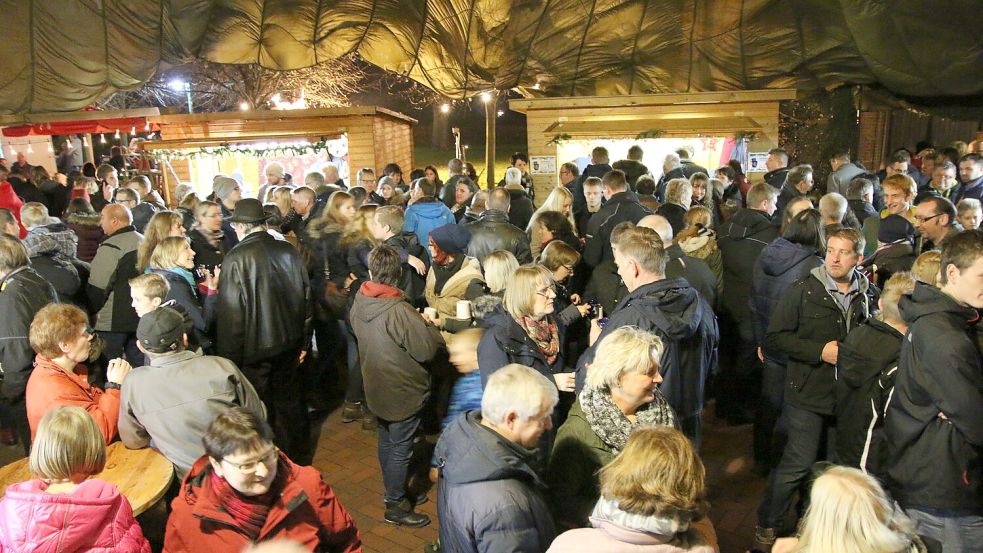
[926,219]
[547,292]
[250,468]
[88,331]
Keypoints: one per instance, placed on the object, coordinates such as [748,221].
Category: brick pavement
[347,456]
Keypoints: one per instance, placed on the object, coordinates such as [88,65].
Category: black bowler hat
[248,210]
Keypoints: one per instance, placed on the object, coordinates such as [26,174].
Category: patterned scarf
[249,512]
[612,426]
[544,333]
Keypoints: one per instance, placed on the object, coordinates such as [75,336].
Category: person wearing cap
[895,249]
[453,276]
[60,335]
[168,404]
[264,322]
[274,174]
[227,193]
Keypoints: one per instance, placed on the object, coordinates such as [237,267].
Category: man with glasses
[141,211]
[163,404]
[935,219]
[366,179]
[944,183]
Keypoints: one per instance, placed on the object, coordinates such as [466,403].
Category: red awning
[122,124]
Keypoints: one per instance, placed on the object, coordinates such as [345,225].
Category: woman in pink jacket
[652,500]
[64,510]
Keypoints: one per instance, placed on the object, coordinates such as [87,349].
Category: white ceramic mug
[463,310]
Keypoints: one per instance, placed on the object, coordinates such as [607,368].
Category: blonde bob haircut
[898,285]
[517,389]
[520,294]
[628,349]
[166,254]
[658,473]
[499,267]
[68,443]
[927,268]
[850,513]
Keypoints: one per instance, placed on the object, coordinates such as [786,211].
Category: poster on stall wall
[756,162]
[543,165]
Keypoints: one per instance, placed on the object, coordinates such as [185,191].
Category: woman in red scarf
[244,490]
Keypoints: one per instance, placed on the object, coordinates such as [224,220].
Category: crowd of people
[564,354]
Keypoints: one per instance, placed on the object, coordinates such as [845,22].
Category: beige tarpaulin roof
[62,55]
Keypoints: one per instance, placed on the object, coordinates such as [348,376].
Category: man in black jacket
[622,205]
[22,294]
[387,226]
[741,239]
[798,183]
[633,166]
[934,422]
[598,167]
[520,206]
[696,271]
[673,310]
[264,314]
[493,231]
[777,165]
[815,314]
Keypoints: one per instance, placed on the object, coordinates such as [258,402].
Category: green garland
[231,150]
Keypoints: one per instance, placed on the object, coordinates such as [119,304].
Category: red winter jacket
[10,200]
[306,511]
[94,517]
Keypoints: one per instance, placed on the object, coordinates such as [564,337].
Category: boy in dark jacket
[865,372]
[816,313]
[394,342]
[934,424]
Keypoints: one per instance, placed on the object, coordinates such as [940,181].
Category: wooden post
[491,114]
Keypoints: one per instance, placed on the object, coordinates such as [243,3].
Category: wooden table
[142,475]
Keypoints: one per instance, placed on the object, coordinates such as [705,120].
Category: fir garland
[231,150]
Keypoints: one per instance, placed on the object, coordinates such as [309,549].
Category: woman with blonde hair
[207,237]
[160,226]
[699,240]
[560,199]
[849,512]
[621,395]
[62,508]
[499,267]
[174,260]
[652,499]
[280,197]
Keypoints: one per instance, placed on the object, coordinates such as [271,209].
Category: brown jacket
[394,342]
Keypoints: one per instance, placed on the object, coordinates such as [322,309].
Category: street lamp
[177,85]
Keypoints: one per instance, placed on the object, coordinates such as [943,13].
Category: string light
[133,130]
[102,138]
[116,136]
[147,127]
[85,142]
[30,150]
[50,149]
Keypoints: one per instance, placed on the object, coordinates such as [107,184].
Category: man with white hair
[520,206]
[490,493]
[833,207]
[679,196]
[672,168]
[679,265]
[332,176]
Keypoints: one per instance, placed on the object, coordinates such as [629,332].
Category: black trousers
[278,383]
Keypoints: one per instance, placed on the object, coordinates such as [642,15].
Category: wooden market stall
[636,118]
[375,136]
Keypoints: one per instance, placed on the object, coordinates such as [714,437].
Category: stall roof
[94,121]
[912,48]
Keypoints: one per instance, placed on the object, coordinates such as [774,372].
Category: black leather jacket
[492,231]
[264,306]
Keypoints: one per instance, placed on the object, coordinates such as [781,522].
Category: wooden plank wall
[393,144]
[686,120]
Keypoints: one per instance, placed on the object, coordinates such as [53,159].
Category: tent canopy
[538,47]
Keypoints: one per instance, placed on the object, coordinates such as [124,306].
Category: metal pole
[491,114]
[187,90]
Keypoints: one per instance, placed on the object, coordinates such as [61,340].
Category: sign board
[756,162]
[542,165]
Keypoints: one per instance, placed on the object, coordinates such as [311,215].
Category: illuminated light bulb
[133,130]
[501,113]
[147,126]
[102,138]
[244,106]
[116,136]
[85,142]
[485,97]
[30,150]
[445,108]
[50,149]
